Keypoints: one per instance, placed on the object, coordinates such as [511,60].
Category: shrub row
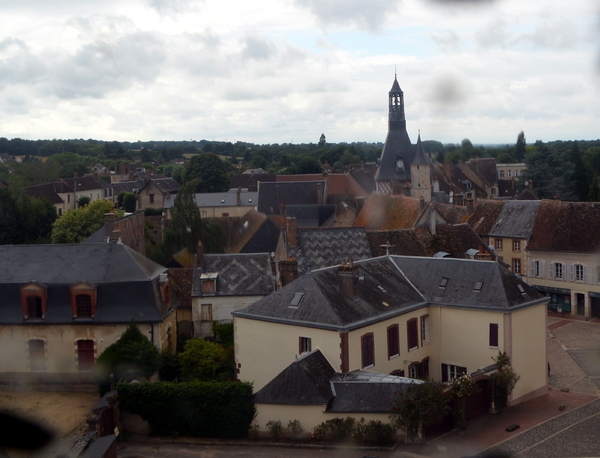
[194,409]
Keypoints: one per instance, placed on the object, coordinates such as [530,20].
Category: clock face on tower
[399,164]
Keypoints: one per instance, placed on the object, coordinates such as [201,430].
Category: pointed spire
[420,157]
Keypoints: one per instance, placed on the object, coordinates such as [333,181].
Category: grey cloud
[17,63]
[168,6]
[258,48]
[493,35]
[104,66]
[368,15]
[446,40]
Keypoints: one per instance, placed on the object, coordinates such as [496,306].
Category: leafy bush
[195,409]
[223,333]
[336,429]
[132,357]
[275,429]
[170,367]
[373,432]
[203,360]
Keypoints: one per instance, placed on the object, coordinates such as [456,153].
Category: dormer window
[208,283]
[83,300]
[444,282]
[34,301]
[478,286]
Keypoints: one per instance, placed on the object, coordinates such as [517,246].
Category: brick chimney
[115,236]
[348,276]
[239,196]
[131,177]
[470,203]
[319,189]
[290,226]
[109,223]
[288,269]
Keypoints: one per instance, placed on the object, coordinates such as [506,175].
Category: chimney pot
[288,269]
[348,276]
[291,232]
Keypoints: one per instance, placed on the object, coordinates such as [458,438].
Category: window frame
[516,266]
[83,289]
[424,322]
[494,335]
[367,350]
[498,244]
[393,341]
[451,371]
[33,289]
[412,334]
[304,344]
[516,245]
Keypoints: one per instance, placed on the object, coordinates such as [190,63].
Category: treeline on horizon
[568,169]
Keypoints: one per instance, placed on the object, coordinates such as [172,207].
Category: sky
[286,71]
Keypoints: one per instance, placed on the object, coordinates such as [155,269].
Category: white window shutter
[542,269]
[532,269]
[564,271]
[551,270]
[571,268]
[594,275]
[585,273]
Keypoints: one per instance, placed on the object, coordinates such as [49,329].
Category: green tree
[129,202]
[132,357]
[520,147]
[74,226]
[583,174]
[322,141]
[83,201]
[186,224]
[418,406]
[202,360]
[550,171]
[212,173]
[504,380]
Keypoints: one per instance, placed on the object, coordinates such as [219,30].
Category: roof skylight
[296,299]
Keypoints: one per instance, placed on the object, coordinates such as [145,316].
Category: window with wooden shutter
[368,350]
[393,340]
[494,335]
[412,332]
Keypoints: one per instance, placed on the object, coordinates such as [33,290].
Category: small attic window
[478,286]
[444,282]
[521,289]
[296,299]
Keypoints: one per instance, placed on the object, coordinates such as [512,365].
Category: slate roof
[453,239]
[566,226]
[271,196]
[485,168]
[126,282]
[516,219]
[385,211]
[304,382]
[85,183]
[484,216]
[366,392]
[220,199]
[48,191]
[127,186]
[390,286]
[311,215]
[322,247]
[338,184]
[403,242]
[165,185]
[239,274]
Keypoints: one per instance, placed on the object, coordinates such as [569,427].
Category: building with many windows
[405,316]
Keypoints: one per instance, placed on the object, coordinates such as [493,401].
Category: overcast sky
[288,70]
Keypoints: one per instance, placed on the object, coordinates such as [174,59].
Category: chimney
[75,174]
[131,177]
[123,168]
[199,254]
[348,276]
[432,222]
[530,185]
[290,226]
[288,269]
[448,170]
[319,193]
[470,203]
[95,175]
[422,203]
[239,196]
[109,223]
[115,236]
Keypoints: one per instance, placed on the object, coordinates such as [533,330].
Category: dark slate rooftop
[484,216]
[322,247]
[304,382]
[48,191]
[516,219]
[239,274]
[566,226]
[166,184]
[366,392]
[390,286]
[67,264]
[271,196]
[485,168]
[311,215]
[126,282]
[312,380]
